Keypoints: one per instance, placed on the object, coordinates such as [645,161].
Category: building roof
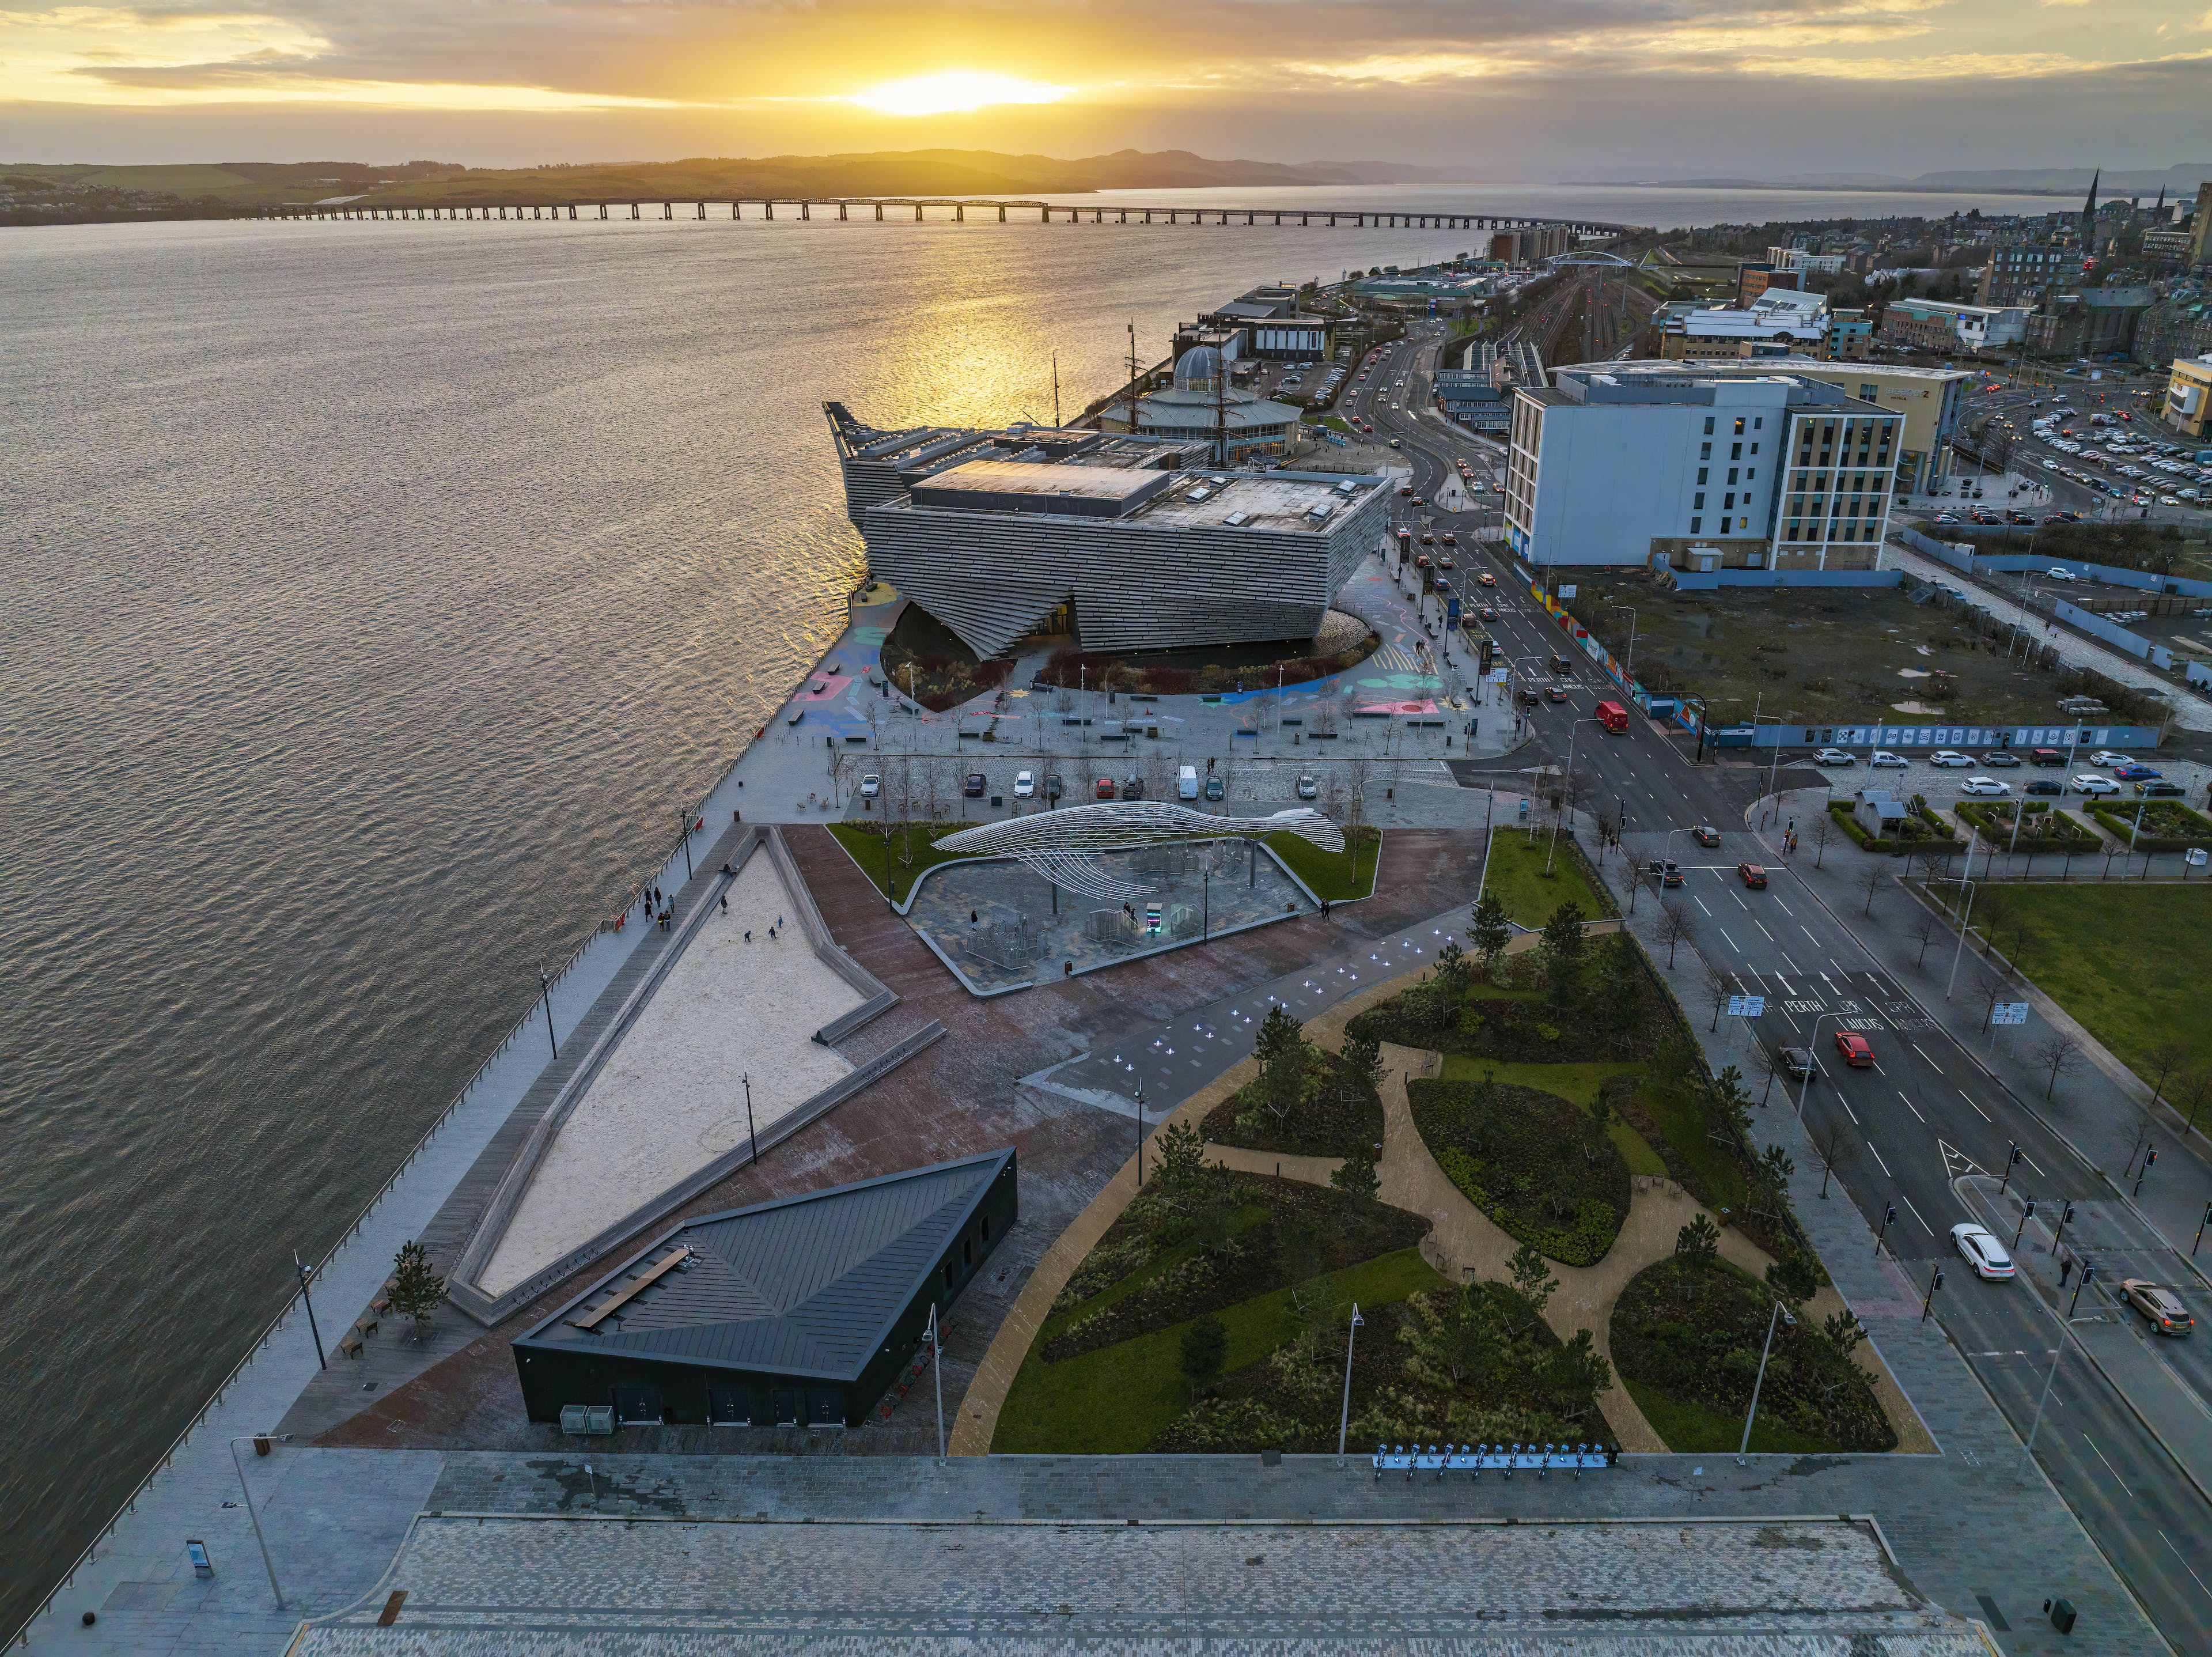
[1277,501]
[1034,484]
[809,1285]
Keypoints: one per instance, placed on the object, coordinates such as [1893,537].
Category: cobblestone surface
[1240,1585]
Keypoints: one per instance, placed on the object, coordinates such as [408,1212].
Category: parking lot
[1943,785]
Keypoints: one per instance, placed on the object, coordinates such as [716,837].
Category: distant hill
[2180,180]
[888,173]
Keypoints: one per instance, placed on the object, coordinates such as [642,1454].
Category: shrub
[1524,1158]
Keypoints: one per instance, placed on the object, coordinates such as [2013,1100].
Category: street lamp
[1628,667]
[307,1300]
[936,1366]
[545,990]
[750,1136]
[2065,1329]
[1344,1415]
[1752,1414]
[1567,785]
[1805,1082]
[1967,890]
[1141,1133]
[245,1491]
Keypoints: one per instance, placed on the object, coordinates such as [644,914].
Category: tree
[1676,926]
[1793,1278]
[1299,1249]
[1924,931]
[1697,1247]
[1770,1070]
[1452,972]
[1280,1038]
[1356,1176]
[1719,987]
[1532,1275]
[1824,830]
[1362,1058]
[1205,1350]
[1562,949]
[1179,1164]
[415,1290]
[1734,1101]
[1872,878]
[1489,931]
[1596,1132]
[2056,1053]
[1575,1373]
[1844,1331]
[1463,1340]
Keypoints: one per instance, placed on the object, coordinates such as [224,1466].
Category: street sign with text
[2009,1012]
[1746,1007]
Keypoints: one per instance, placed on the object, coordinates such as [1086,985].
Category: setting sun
[954,89]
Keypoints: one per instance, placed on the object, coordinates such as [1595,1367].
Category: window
[1709,425]
[1701,474]
[1694,523]
[1732,474]
[983,1225]
[1705,450]
[1698,501]
[967,1251]
[1755,425]
[1738,425]
[1724,525]
[1749,472]
[1736,451]
[1869,393]
[1728,500]
[1754,448]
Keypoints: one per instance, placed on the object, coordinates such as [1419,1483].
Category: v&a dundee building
[796,1312]
[1136,539]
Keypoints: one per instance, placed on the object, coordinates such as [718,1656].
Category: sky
[1507,90]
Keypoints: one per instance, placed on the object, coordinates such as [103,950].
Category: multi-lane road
[1908,1131]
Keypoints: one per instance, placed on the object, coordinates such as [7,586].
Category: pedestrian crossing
[1393,660]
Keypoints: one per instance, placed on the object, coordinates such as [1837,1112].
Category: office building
[1780,322]
[1643,464]
[2188,396]
[1804,262]
[1850,334]
[2168,245]
[1135,541]
[1270,327]
[1936,325]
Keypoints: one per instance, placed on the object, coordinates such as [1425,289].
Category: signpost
[2009,1012]
[1746,1007]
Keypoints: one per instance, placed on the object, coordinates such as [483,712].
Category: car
[1053,786]
[1216,788]
[975,787]
[870,786]
[1752,874]
[1706,835]
[1555,694]
[1309,789]
[2107,757]
[1024,786]
[2161,1307]
[2137,773]
[1133,786]
[1488,612]
[1799,1062]
[1103,789]
[2090,783]
[1668,871]
[1526,698]
[1444,559]
[1833,757]
[1884,758]
[1486,578]
[2046,756]
[1561,664]
[1948,757]
[2058,572]
[2002,759]
[1853,1048]
[1421,561]
[2161,790]
[1981,1251]
[1948,518]
[2045,787]
[1984,785]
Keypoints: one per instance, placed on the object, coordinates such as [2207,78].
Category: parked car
[1948,757]
[1799,1062]
[1752,874]
[1989,1257]
[2161,1307]
[1215,788]
[1833,757]
[1309,789]
[2161,790]
[976,783]
[870,786]
[1853,1048]
[2107,757]
[1706,835]
[2058,572]
[1024,786]
[2137,773]
[1104,789]
[1883,757]
[2002,759]
[1133,786]
[2046,757]
[2090,783]
[2044,785]
[1984,785]
[1668,871]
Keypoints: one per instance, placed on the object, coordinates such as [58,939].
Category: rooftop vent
[1202,494]
[1237,518]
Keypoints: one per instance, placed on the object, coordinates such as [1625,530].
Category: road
[1923,1115]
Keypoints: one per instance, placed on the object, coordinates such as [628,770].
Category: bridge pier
[917,212]
[879,212]
[841,212]
[960,212]
[1304,219]
[806,211]
[1098,215]
[633,213]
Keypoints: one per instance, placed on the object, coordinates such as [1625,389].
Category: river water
[373,597]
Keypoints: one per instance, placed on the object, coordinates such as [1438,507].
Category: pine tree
[1363,1060]
[1205,1350]
[1356,1178]
[415,1289]
[1532,1275]
[1489,931]
[1181,1159]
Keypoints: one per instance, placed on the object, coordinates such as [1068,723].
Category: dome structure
[1198,369]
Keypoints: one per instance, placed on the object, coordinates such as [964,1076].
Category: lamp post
[1567,785]
[1751,1414]
[2065,1329]
[1628,667]
[1140,1134]
[936,1368]
[251,1512]
[1967,890]
[545,990]
[1805,1082]
[307,1300]
[1344,1415]
[752,1139]
[683,833]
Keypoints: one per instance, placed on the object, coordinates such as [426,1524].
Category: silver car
[1309,789]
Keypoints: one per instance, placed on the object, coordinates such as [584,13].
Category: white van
[1186,783]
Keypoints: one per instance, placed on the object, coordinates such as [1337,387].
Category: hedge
[2195,829]
[1902,846]
[1996,829]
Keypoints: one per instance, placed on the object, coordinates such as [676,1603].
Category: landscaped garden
[1516,879]
[1687,1333]
[1306,1100]
[2154,825]
[894,855]
[1544,1169]
[2040,828]
[1213,1316]
[1920,830]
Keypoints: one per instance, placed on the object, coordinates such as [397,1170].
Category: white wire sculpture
[1063,846]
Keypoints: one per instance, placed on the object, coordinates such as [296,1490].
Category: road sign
[1746,1007]
[2009,1012]
[1564,593]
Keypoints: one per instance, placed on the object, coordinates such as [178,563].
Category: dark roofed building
[801,1311]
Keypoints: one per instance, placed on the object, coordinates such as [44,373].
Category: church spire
[2089,214]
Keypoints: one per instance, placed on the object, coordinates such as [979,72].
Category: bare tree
[1924,931]
[1676,926]
[1770,1070]
[1357,776]
[2057,1053]
[1872,878]
[1718,987]
[2193,1088]
[2166,1058]
[1824,830]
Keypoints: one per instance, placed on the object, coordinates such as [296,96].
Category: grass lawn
[1517,880]
[1116,1400]
[1694,1428]
[1335,876]
[867,844]
[2128,960]
[1580,1083]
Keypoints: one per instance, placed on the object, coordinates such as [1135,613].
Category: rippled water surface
[372,598]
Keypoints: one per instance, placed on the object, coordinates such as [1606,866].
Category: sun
[950,90]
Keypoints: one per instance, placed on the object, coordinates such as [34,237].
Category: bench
[350,1346]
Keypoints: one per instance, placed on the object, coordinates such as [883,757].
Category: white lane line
[2030,1161]
[2186,1565]
[1732,943]
[1700,902]
[1740,902]
[1922,1051]
[1785,909]
[1847,1111]
[1924,1226]
[2109,1468]
[1979,1111]
[1910,1105]
[1807,931]
[1877,1157]
[1761,925]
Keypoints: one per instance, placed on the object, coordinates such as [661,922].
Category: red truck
[1614,716]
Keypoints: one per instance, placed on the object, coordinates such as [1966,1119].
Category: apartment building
[1938,325]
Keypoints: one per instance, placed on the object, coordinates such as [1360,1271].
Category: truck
[1186,783]
[1613,715]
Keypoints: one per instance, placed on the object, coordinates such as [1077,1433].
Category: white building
[1658,463]
[1780,322]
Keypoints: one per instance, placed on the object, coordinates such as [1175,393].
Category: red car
[1753,874]
[1853,1046]
[1105,789]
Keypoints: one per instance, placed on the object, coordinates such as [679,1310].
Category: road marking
[1979,1111]
[1761,925]
[1924,1226]
[1785,909]
[1740,902]
[2186,1565]
[2030,1161]
[1700,902]
[1922,1051]
[1910,1105]
[1877,1156]
[1732,943]
[2113,1471]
